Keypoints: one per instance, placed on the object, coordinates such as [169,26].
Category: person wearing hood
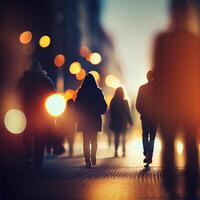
[33,88]
[120,118]
[90,105]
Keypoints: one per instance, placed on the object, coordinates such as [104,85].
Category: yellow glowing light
[95,58]
[96,75]
[25,37]
[75,68]
[44,41]
[70,94]
[112,81]
[59,60]
[84,51]
[179,147]
[55,104]
[15,121]
[81,75]
[108,99]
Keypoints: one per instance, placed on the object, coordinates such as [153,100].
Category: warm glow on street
[179,147]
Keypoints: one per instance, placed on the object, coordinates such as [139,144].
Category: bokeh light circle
[59,60]
[55,104]
[25,37]
[112,81]
[84,51]
[81,75]
[15,121]
[44,41]
[95,58]
[70,94]
[75,68]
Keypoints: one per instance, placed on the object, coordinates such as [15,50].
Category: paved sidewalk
[60,180]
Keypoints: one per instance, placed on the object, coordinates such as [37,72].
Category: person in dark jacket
[120,117]
[144,105]
[90,105]
[176,67]
[34,87]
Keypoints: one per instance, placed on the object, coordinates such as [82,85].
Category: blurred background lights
[55,104]
[84,51]
[59,60]
[70,94]
[112,81]
[96,75]
[81,75]
[15,121]
[95,58]
[25,37]
[75,68]
[44,41]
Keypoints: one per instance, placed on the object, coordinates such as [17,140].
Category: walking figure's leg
[94,147]
[86,149]
[124,144]
[145,132]
[192,171]
[116,143]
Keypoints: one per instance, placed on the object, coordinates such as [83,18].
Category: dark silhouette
[34,87]
[90,105]
[120,117]
[66,123]
[144,104]
[177,94]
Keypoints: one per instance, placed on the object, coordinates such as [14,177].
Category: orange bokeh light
[25,37]
[75,68]
[70,94]
[95,58]
[84,51]
[81,75]
[59,60]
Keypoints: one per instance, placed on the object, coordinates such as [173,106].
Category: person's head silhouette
[150,76]
[89,82]
[119,93]
[179,11]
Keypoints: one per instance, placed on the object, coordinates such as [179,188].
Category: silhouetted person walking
[34,87]
[177,93]
[90,105]
[120,118]
[144,105]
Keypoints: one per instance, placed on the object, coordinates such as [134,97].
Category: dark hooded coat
[90,105]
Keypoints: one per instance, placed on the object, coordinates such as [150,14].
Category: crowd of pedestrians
[170,99]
